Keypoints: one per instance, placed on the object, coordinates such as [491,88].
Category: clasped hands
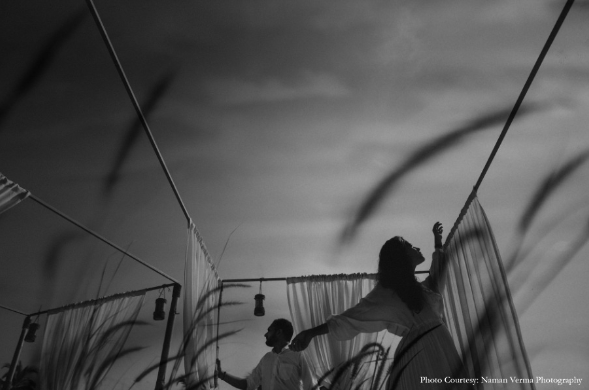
[301,341]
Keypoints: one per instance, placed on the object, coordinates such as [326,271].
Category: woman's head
[396,270]
[397,252]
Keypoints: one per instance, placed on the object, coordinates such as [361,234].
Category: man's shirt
[286,370]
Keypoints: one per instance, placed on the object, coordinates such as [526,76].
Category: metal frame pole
[161,374]
[101,238]
[10,375]
[95,301]
[283,278]
[217,336]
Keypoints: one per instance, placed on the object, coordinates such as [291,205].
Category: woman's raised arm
[438,229]
[437,272]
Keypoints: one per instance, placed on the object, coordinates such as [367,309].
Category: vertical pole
[161,374]
[10,375]
[217,336]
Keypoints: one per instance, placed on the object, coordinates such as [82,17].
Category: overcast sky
[276,120]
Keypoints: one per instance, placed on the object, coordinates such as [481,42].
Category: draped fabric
[201,297]
[10,194]
[478,307]
[312,300]
[82,342]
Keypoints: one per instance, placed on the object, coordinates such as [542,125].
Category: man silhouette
[279,369]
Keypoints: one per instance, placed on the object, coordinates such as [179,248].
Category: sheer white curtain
[81,342]
[312,300]
[10,194]
[201,297]
[478,306]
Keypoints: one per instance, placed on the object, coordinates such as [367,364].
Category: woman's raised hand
[438,229]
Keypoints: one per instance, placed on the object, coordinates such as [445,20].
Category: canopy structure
[81,340]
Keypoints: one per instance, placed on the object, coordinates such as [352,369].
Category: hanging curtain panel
[312,300]
[201,297]
[478,306]
[82,342]
[10,194]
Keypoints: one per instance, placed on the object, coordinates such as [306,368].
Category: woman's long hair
[395,272]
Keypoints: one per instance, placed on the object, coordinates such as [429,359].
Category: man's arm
[234,381]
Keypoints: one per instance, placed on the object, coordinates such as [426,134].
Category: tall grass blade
[419,157]
[41,63]
[543,280]
[97,378]
[201,313]
[548,186]
[155,95]
[116,271]
[544,191]
[52,261]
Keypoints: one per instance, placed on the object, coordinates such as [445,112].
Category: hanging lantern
[259,308]
[159,314]
[32,332]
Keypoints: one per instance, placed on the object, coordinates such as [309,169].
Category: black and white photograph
[294,195]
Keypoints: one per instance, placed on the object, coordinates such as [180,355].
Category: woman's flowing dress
[426,357]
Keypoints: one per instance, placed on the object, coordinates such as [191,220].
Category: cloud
[235,92]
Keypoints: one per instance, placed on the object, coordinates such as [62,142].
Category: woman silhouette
[426,356]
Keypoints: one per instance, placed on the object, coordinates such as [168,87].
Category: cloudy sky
[276,120]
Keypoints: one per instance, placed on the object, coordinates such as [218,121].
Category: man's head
[279,332]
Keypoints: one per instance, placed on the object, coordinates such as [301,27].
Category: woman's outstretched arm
[303,339]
